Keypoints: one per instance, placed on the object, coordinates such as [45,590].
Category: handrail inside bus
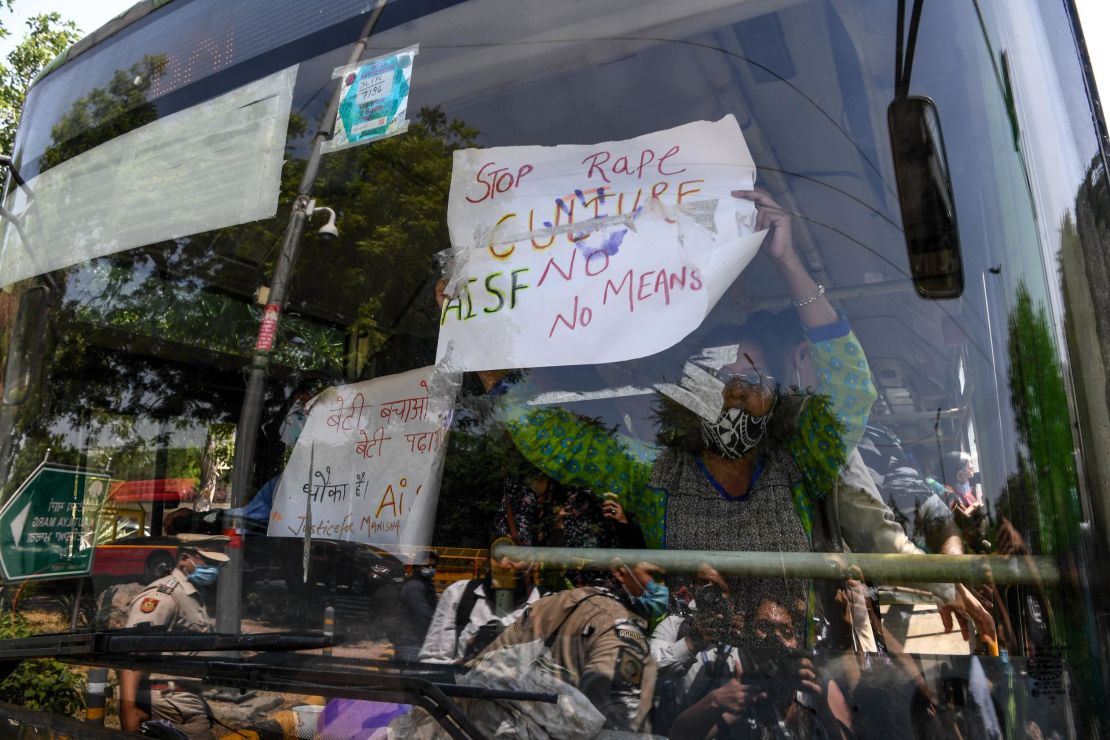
[1001,570]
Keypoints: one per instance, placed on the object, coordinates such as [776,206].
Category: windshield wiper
[433,687]
[59,725]
[143,640]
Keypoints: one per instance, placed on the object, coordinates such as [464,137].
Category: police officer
[175,603]
[598,635]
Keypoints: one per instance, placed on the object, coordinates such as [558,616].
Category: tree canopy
[46,36]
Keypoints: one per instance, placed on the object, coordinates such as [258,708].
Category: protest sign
[367,465]
[582,254]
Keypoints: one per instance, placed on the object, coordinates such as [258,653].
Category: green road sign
[47,527]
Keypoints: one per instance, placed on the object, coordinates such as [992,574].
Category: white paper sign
[117,196]
[586,254]
[376,451]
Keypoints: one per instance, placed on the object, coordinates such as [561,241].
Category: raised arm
[833,420]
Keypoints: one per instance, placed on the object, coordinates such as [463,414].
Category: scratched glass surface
[628,305]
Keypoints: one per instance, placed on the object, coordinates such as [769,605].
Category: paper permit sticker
[582,254]
[367,465]
[374,99]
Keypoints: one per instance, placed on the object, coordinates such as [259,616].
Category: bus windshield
[719,369]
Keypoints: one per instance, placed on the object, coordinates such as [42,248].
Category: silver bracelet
[806,301]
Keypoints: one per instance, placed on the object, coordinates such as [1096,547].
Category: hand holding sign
[809,297]
[770,215]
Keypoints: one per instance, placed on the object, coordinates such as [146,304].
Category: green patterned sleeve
[579,452]
[834,418]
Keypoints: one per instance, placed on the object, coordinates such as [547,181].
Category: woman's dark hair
[775,333]
[677,427]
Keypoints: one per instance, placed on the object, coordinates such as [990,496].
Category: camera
[329,230]
[775,671]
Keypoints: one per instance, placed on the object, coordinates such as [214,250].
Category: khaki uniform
[601,646]
[173,602]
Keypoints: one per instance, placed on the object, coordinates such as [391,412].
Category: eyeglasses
[783,632]
[750,377]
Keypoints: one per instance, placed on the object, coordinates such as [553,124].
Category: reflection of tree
[153,341]
[106,112]
[159,335]
[1085,258]
[391,197]
[472,485]
[135,296]
[481,458]
[1049,510]
[1042,497]
[150,338]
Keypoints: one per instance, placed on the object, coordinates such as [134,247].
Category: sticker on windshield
[374,99]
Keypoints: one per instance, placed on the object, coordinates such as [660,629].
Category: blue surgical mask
[652,603]
[204,575]
[428,572]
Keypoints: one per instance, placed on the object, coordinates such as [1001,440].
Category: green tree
[47,36]
[44,684]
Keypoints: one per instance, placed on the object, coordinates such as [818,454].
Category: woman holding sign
[776,470]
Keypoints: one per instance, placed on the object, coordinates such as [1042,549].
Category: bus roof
[137,11]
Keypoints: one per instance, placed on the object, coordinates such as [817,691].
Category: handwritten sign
[366,468]
[597,253]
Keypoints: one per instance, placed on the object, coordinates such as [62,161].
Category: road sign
[48,526]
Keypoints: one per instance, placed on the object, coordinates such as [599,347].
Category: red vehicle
[129,504]
[135,558]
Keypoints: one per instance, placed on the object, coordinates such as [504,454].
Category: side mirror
[925,195]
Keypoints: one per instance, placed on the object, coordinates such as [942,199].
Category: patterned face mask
[735,432]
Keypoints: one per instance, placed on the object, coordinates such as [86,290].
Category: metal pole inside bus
[228,593]
[1001,570]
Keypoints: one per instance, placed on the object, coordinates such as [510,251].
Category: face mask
[652,603]
[204,575]
[292,425]
[735,432]
[428,573]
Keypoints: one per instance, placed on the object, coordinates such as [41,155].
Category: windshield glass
[697,370]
